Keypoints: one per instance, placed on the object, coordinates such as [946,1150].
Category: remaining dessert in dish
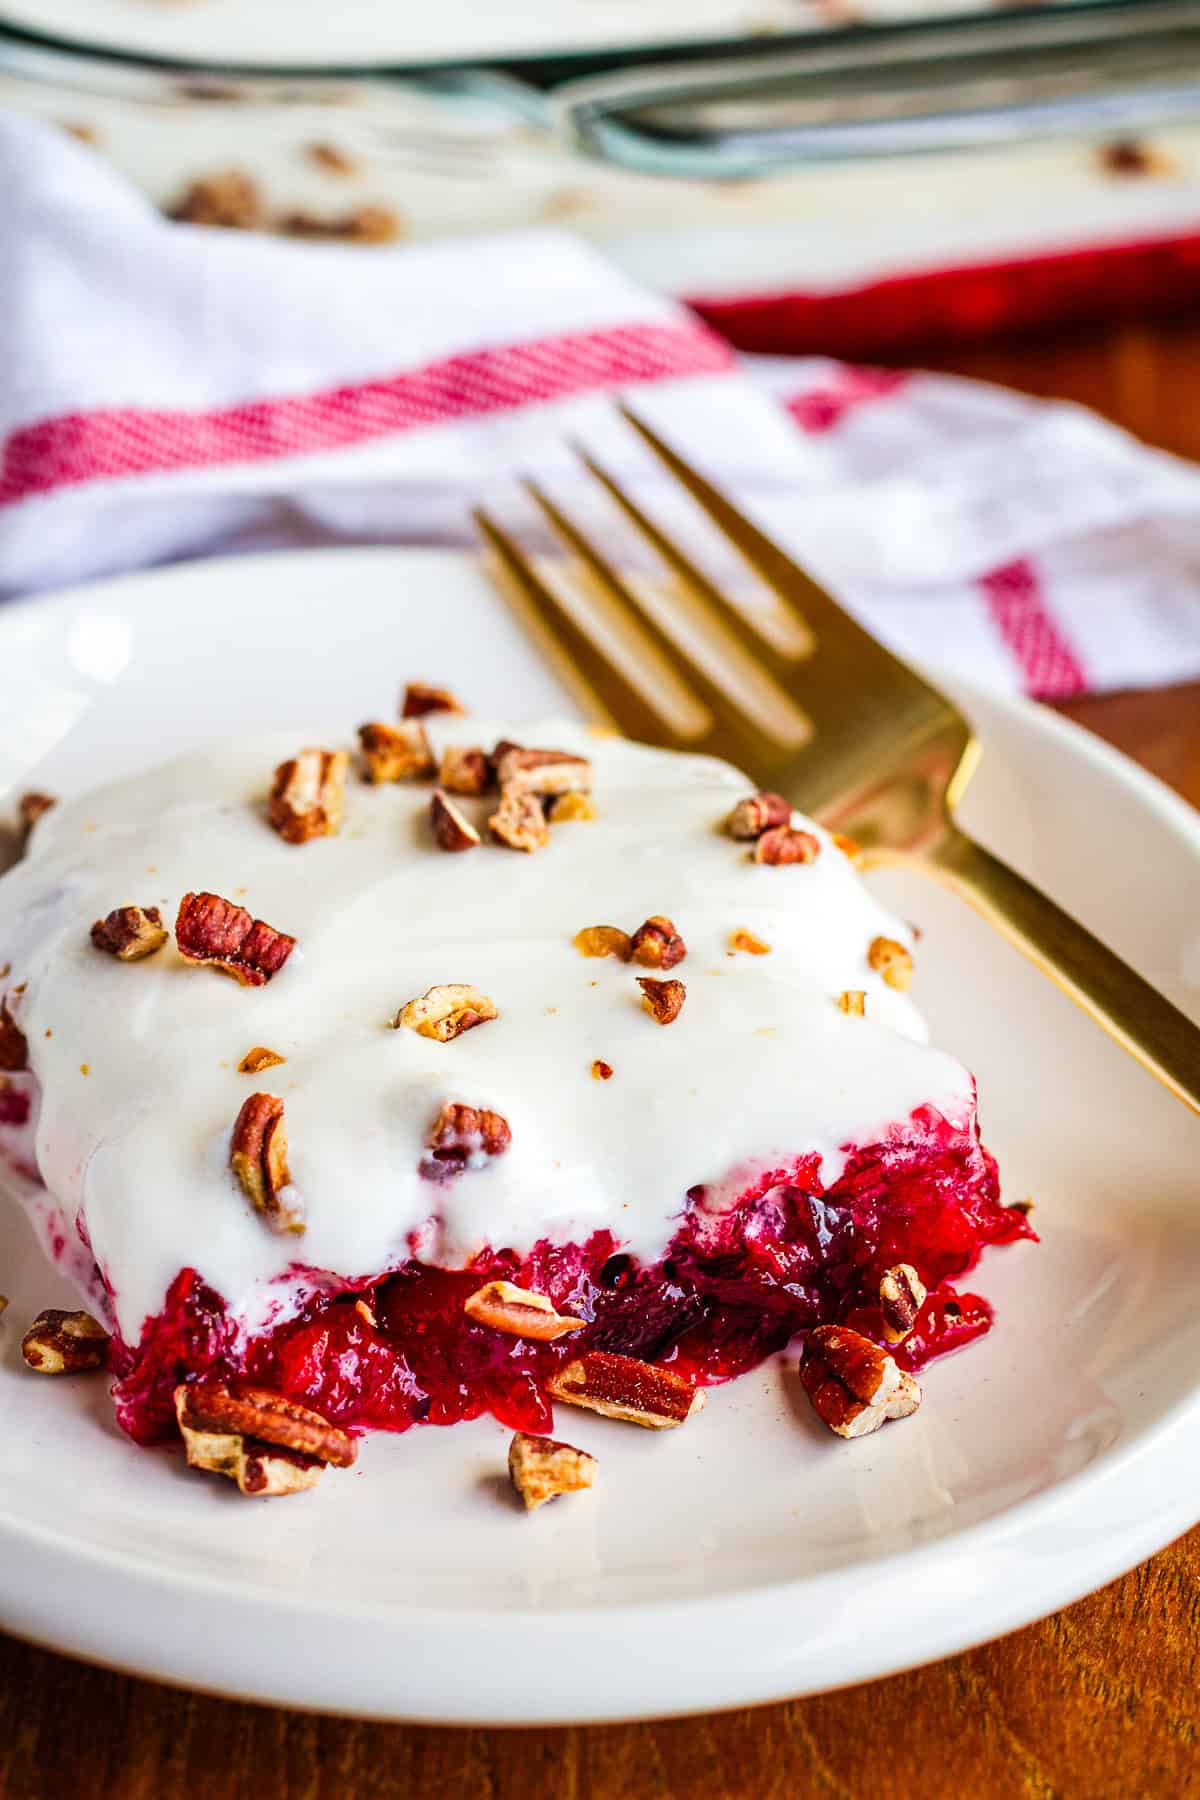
[496,1066]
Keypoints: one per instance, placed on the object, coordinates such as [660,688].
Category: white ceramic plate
[752,1556]
[357,33]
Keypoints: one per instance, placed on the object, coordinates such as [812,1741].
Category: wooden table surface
[1098,1701]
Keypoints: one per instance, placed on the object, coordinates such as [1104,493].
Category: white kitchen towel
[168,391]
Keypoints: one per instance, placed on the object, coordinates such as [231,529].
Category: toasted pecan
[262,1414]
[30,808]
[542,1468]
[258,1059]
[663,1000]
[211,930]
[901,1296]
[853,1001]
[519,1313]
[452,830]
[130,933]
[446,1011]
[463,1137]
[891,960]
[656,944]
[568,808]
[756,814]
[465,771]
[309,795]
[783,844]
[741,939]
[395,752]
[258,1156]
[419,699]
[65,1343]
[854,1385]
[622,1387]
[519,821]
[604,940]
[542,772]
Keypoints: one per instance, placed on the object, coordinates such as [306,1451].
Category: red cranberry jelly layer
[733,1287]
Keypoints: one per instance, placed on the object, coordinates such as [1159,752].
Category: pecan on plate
[656,944]
[901,1297]
[130,933]
[601,1070]
[211,930]
[228,198]
[452,830]
[570,808]
[542,772]
[756,814]
[395,752]
[258,1156]
[853,1001]
[14,1045]
[622,1387]
[847,845]
[854,1385]
[604,940]
[258,1059]
[519,1313]
[663,1000]
[519,820]
[30,808]
[447,1011]
[309,795]
[741,939]
[419,699]
[891,960]
[783,844]
[268,1444]
[65,1343]
[465,771]
[463,1137]
[333,158]
[541,1468]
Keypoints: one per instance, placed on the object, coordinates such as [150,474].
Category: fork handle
[1141,1019]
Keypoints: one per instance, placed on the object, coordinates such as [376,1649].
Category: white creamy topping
[760,1067]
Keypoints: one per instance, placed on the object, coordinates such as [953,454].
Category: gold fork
[890,757]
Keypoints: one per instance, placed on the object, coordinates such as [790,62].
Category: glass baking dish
[718,106]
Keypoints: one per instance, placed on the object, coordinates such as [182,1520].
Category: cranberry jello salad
[471,1069]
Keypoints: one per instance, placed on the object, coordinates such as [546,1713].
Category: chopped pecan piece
[260,1413]
[464,1137]
[901,1297]
[741,939]
[396,752]
[602,1071]
[268,1444]
[519,1313]
[604,940]
[891,960]
[333,158]
[542,772]
[419,699]
[309,795]
[258,1156]
[783,844]
[756,814]
[663,1000]
[14,1046]
[228,198]
[854,1385]
[452,830]
[541,1468]
[30,808]
[847,845]
[621,1387]
[519,821]
[854,1001]
[211,930]
[258,1059]
[65,1343]
[656,944]
[465,771]
[568,808]
[130,933]
[447,1011]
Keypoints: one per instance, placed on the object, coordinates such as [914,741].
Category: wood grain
[1098,1702]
